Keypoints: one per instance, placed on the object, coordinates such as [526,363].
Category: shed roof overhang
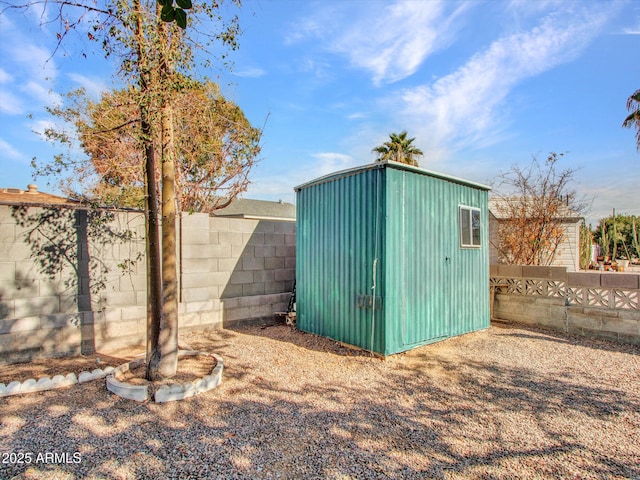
[388,164]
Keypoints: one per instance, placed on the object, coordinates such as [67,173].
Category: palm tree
[399,148]
[633,105]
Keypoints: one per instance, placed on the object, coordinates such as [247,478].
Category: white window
[469,218]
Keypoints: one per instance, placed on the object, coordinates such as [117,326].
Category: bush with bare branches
[532,205]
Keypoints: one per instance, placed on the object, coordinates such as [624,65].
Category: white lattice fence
[605,305]
[599,297]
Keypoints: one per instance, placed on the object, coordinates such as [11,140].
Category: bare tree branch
[532,205]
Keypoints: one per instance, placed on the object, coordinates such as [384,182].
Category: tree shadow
[399,419]
[278,331]
[73,248]
[549,335]
[265,265]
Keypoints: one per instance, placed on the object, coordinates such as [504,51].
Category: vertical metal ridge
[430,287]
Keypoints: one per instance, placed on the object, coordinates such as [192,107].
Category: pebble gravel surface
[507,402]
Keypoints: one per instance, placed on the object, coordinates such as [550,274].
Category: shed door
[426,265]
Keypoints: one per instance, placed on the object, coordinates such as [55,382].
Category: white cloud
[21,50]
[468,105]
[611,190]
[5,77]
[39,14]
[40,126]
[388,40]
[10,104]
[29,71]
[392,43]
[250,72]
[317,66]
[9,151]
[274,187]
[41,93]
[631,31]
[94,86]
[36,62]
[633,21]
[312,26]
[527,7]
[328,162]
[280,186]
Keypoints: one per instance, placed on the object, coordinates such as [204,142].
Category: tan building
[258,210]
[568,254]
[16,196]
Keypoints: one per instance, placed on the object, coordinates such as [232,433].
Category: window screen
[469,227]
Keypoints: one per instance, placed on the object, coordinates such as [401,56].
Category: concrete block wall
[61,287]
[603,305]
[235,270]
[68,294]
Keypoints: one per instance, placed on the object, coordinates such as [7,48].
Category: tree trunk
[154,271]
[169,325]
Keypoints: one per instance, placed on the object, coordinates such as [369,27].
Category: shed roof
[16,196]
[258,209]
[389,164]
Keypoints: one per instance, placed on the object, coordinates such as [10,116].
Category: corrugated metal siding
[431,288]
[415,271]
[470,286]
[438,288]
[336,248]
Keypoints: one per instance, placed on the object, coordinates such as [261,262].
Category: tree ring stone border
[166,393]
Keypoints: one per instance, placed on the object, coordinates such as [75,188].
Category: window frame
[464,242]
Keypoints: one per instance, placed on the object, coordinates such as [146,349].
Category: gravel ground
[508,402]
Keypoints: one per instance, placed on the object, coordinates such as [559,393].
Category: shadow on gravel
[421,416]
[310,341]
[548,335]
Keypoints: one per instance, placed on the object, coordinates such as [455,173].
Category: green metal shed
[390,257]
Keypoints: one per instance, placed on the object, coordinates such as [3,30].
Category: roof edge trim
[400,166]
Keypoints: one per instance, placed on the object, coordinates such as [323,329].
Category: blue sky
[481,85]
